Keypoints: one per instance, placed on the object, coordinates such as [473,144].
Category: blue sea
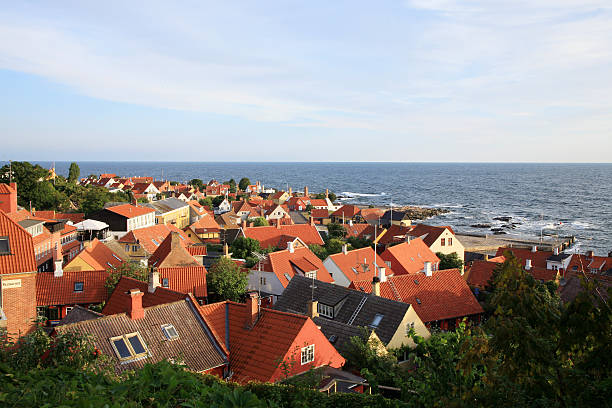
[550,199]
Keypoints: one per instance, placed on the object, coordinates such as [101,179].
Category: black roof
[298,292]
[339,334]
[397,215]
[79,314]
[558,258]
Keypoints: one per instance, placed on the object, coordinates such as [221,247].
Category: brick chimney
[376,286]
[136,311]
[278,223]
[485,257]
[427,268]
[306,191]
[134,201]
[312,309]
[344,249]
[312,221]
[58,272]
[290,192]
[290,247]
[252,310]
[153,280]
[8,201]
[326,193]
[244,224]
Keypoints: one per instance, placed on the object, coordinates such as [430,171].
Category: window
[155,242]
[109,264]
[418,301]
[78,286]
[376,320]
[134,248]
[165,282]
[68,309]
[129,346]
[262,280]
[325,310]
[450,242]
[442,242]
[311,275]
[388,264]
[307,354]
[4,246]
[127,248]
[169,332]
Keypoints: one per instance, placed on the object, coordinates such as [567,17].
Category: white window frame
[325,310]
[307,354]
[311,275]
[133,354]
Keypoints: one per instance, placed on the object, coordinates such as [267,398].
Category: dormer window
[376,321]
[129,346]
[78,286]
[325,310]
[5,248]
[165,282]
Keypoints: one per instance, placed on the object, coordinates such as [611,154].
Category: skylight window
[169,332]
[418,301]
[5,248]
[332,339]
[116,257]
[165,282]
[129,346]
[155,242]
[110,265]
[376,321]
[78,286]
[287,276]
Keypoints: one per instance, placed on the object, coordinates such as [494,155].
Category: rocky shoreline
[414,212]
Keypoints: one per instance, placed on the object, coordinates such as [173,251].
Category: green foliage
[449,261]
[335,230]
[206,202]
[216,201]
[133,270]
[243,247]
[232,184]
[73,173]
[244,183]
[260,222]
[333,246]
[226,281]
[363,354]
[359,242]
[197,183]
[319,251]
[332,196]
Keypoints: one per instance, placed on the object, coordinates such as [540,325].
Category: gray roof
[79,314]
[29,223]
[297,217]
[298,292]
[166,205]
[397,215]
[342,331]
[558,258]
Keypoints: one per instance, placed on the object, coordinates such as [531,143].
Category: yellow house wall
[180,216]
[401,335]
[456,247]
[77,264]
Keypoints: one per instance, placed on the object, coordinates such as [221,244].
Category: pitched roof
[347,210]
[479,272]
[394,234]
[428,233]
[285,263]
[411,256]
[185,279]
[372,213]
[166,205]
[172,252]
[120,302]
[98,256]
[444,295]
[129,210]
[52,290]
[538,258]
[351,264]
[269,236]
[79,314]
[319,213]
[195,345]
[151,237]
[360,231]
[21,257]
[296,295]
[318,202]
[205,224]
[6,189]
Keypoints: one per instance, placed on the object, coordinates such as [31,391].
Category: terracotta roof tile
[282,262]
[151,237]
[205,224]
[428,233]
[129,210]
[172,252]
[319,213]
[52,290]
[269,236]
[190,279]
[409,257]
[98,256]
[351,264]
[21,257]
[348,210]
[120,302]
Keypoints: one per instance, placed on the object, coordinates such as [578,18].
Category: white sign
[13,283]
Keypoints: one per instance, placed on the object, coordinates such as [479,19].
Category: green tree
[332,196]
[94,200]
[449,261]
[260,222]
[73,173]
[244,183]
[333,246]
[128,269]
[206,202]
[226,281]
[319,251]
[198,183]
[27,177]
[232,184]
[243,247]
[335,230]
[216,201]
[359,242]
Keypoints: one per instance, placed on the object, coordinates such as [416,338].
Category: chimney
[244,224]
[485,257]
[312,309]
[350,223]
[134,201]
[382,274]
[136,311]
[556,251]
[153,280]
[226,250]
[252,310]
[528,264]
[427,267]
[345,249]
[326,193]
[312,221]
[9,204]
[534,248]
[290,192]
[590,254]
[306,191]
[290,247]
[376,286]
[278,223]
[58,272]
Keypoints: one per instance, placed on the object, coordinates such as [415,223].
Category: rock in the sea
[480,225]
[504,219]
[418,213]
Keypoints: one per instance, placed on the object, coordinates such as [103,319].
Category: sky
[400,81]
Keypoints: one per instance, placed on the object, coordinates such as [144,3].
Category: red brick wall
[19,305]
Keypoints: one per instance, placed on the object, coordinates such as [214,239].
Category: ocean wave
[349,194]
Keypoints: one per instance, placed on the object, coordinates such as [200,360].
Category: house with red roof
[320,216]
[320,203]
[297,203]
[280,197]
[543,265]
[271,236]
[372,216]
[244,210]
[346,214]
[95,257]
[281,266]
[120,300]
[364,231]
[204,230]
[17,278]
[591,264]
[410,257]
[70,245]
[141,243]
[439,239]
[441,298]
[479,272]
[58,292]
[357,264]
[268,345]
[125,218]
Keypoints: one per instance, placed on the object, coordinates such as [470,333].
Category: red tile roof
[172,252]
[584,263]
[394,234]
[319,213]
[478,273]
[191,279]
[348,210]
[351,264]
[318,202]
[98,256]
[372,213]
[270,236]
[410,257]
[196,250]
[52,290]
[283,262]
[444,295]
[361,231]
[120,302]
[428,233]
[145,236]
[130,211]
[21,258]
[538,258]
[205,224]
